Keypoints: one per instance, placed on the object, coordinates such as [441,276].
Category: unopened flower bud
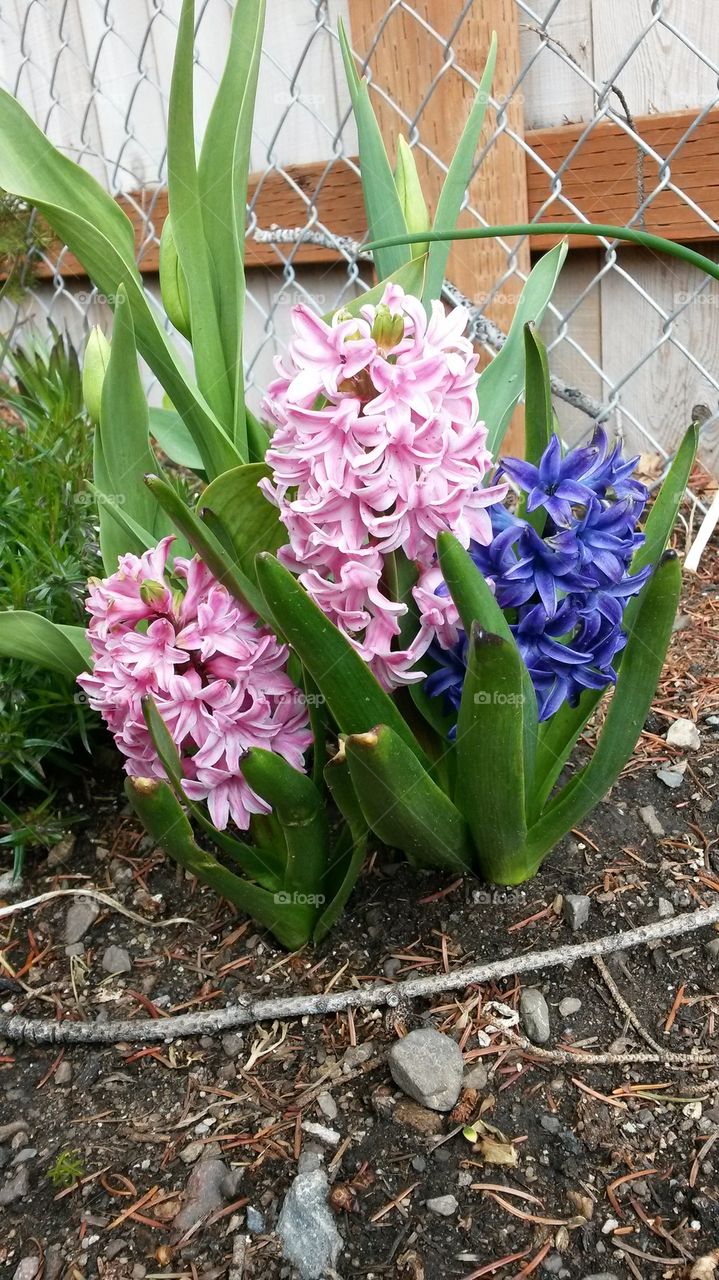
[409,190]
[173,285]
[152,592]
[94,368]
[388,328]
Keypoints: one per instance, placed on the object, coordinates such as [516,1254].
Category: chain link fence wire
[632,339]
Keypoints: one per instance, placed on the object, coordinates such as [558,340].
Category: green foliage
[48,548]
[67,1169]
[22,233]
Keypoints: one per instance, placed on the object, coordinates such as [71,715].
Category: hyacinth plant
[370,622]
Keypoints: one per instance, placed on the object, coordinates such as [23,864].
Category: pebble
[553,1264]
[209,1185]
[610,1225]
[602,1275]
[575,909]
[671,777]
[391,967]
[27,1269]
[551,1124]
[712,948]
[306,1227]
[330,1137]
[534,1014]
[327,1105]
[255,1221]
[309,1161]
[419,1164]
[649,817]
[684,733]
[476,1077]
[428,1066]
[664,908]
[80,916]
[116,960]
[445,1206]
[16,1188]
[355,1055]
[232,1044]
[63,1074]
[570,1005]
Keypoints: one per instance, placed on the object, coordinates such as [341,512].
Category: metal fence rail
[632,338]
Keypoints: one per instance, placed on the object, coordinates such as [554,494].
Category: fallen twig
[246,1010]
[104,898]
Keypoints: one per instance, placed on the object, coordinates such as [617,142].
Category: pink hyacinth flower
[378,448]
[216,674]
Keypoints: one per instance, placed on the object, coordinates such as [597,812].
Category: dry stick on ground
[245,1011]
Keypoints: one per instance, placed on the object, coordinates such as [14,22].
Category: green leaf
[490,756]
[122,449]
[350,848]
[250,521]
[207,546]
[410,277]
[162,816]
[557,736]
[665,508]
[641,666]
[409,190]
[457,180]
[381,198]
[401,803]
[222,182]
[354,697]
[185,202]
[501,384]
[538,414]
[266,866]
[476,603]
[174,438]
[96,230]
[258,438]
[32,638]
[301,813]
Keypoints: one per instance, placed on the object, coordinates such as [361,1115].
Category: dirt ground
[591,1170]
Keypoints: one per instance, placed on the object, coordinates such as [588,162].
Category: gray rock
[309,1161]
[684,734]
[306,1227]
[232,1044]
[445,1206]
[664,908]
[649,817]
[569,1006]
[330,1137]
[327,1105]
[355,1055]
[255,1221]
[419,1164]
[712,949]
[116,960]
[476,1077]
[602,1275]
[534,1013]
[27,1269]
[63,1075]
[551,1124]
[16,1188]
[428,1066]
[209,1185]
[575,909]
[391,967]
[80,916]
[553,1264]
[671,777]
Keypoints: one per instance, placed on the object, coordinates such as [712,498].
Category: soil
[605,1169]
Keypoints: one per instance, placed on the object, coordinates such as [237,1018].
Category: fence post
[407,63]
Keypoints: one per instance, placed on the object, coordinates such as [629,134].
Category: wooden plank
[555,90]
[663,73]
[601,179]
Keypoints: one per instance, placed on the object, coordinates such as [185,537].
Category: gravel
[534,1013]
[575,909]
[429,1067]
[306,1227]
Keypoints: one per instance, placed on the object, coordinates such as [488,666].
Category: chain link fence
[632,339]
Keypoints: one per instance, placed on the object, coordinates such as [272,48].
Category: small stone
[712,948]
[27,1269]
[192,1151]
[75,949]
[602,1275]
[575,908]
[569,1006]
[649,817]
[445,1206]
[684,734]
[209,1185]
[391,967]
[255,1221]
[476,1077]
[553,1264]
[63,1074]
[672,778]
[610,1225]
[428,1066]
[116,960]
[232,1044]
[80,916]
[61,852]
[330,1137]
[309,1161]
[355,1055]
[551,1124]
[327,1105]
[534,1013]
[664,908]
[306,1227]
[419,1164]
[16,1188]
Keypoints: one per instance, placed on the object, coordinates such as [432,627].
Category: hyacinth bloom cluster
[377,448]
[563,580]
[217,677]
